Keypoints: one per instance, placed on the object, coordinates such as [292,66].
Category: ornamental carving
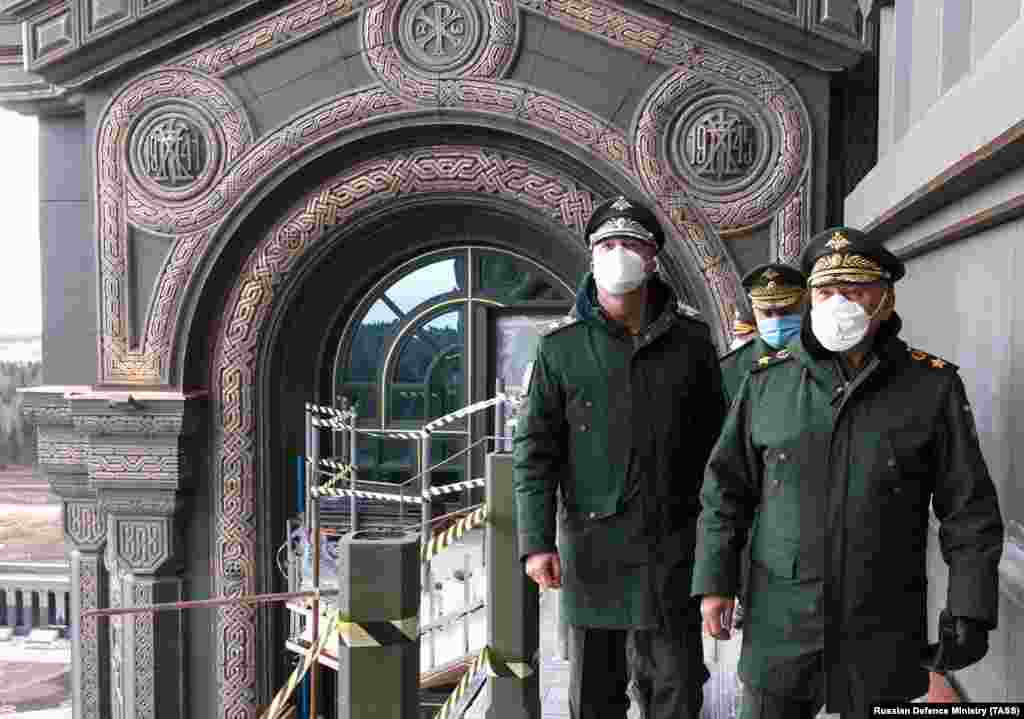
[417,47]
[721,145]
[83,525]
[89,578]
[732,134]
[439,34]
[143,544]
[173,152]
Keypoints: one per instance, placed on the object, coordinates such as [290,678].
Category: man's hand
[962,642]
[545,568]
[717,613]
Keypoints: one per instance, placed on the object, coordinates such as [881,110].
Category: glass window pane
[386,460]
[509,280]
[453,470]
[428,378]
[358,375]
[435,279]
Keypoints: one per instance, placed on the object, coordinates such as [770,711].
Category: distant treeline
[17,441]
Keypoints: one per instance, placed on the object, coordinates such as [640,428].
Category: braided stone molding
[792,227]
[144,651]
[156,466]
[144,503]
[269,34]
[143,424]
[142,543]
[115,575]
[88,598]
[58,446]
[394,63]
[47,415]
[766,90]
[121,198]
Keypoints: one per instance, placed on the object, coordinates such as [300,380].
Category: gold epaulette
[771,359]
[930,360]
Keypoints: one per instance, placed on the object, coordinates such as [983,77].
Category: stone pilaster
[120,463]
[139,465]
[62,456]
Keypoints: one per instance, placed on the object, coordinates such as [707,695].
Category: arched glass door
[411,354]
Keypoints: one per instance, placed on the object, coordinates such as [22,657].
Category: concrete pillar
[512,601]
[379,655]
[886,77]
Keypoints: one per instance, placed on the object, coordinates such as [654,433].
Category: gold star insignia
[937,363]
[838,241]
[918,355]
[765,361]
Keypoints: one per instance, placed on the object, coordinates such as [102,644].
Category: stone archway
[294,241]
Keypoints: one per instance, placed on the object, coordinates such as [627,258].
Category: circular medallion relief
[720,145]
[174,151]
[439,35]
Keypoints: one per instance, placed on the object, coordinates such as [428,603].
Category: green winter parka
[832,481]
[737,363]
[621,427]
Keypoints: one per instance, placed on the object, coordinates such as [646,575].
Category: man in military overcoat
[776,293]
[828,461]
[623,406]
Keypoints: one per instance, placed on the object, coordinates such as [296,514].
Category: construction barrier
[443,539]
[285,692]
[336,421]
[328,490]
[484,666]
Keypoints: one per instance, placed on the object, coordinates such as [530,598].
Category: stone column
[44,607]
[61,455]
[138,463]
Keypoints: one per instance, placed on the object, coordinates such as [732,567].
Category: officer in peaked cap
[776,293]
[836,594]
[623,406]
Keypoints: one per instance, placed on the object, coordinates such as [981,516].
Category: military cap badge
[774,285]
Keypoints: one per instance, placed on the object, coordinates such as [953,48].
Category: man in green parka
[828,461]
[623,406]
[776,293]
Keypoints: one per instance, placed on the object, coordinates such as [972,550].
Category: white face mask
[619,270]
[840,324]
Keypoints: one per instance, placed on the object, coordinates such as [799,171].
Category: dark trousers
[601,661]
[758,704]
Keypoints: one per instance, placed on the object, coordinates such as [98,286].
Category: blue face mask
[778,331]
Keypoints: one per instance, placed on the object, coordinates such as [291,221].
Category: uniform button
[892,462]
[584,428]
[782,456]
[588,404]
[592,515]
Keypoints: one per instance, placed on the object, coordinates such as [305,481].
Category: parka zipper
[843,394]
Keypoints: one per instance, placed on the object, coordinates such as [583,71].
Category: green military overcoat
[621,427]
[832,483]
[737,363]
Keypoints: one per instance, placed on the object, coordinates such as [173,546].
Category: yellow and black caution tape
[379,634]
[485,665]
[285,692]
[326,491]
[454,533]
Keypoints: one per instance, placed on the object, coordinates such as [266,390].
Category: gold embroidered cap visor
[742,328]
[775,296]
[842,268]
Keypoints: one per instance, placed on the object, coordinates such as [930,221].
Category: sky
[20,294]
